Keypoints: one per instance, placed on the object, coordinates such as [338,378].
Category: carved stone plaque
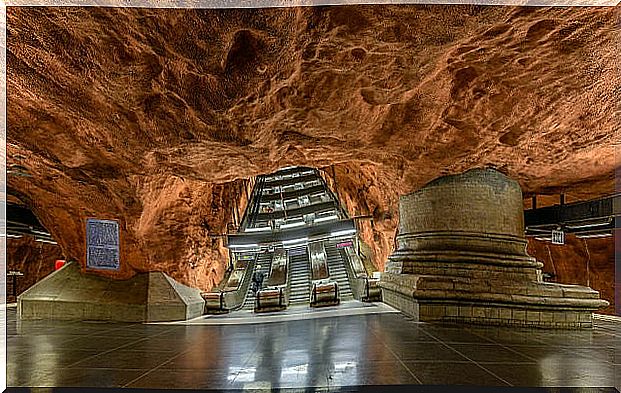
[102,244]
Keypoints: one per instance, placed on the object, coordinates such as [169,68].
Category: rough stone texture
[69,294]
[484,203]
[589,262]
[461,256]
[34,259]
[149,116]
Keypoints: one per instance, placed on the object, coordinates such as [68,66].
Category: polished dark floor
[376,349]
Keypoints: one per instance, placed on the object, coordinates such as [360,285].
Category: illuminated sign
[348,243]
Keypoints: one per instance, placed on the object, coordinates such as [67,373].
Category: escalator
[299,275]
[338,272]
[264,260]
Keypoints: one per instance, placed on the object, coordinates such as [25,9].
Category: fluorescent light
[259,229]
[343,233]
[596,235]
[13,236]
[292,225]
[294,241]
[543,239]
[327,218]
[41,233]
[243,246]
[597,224]
[45,241]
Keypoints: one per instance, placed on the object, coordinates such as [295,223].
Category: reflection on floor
[292,313]
[377,348]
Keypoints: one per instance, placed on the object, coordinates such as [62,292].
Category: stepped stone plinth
[461,257]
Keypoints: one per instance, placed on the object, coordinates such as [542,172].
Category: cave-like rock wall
[155,117]
[34,259]
[589,262]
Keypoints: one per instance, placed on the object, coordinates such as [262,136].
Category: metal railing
[276,295]
[223,301]
[363,288]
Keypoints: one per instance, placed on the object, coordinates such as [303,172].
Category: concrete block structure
[461,256]
[68,294]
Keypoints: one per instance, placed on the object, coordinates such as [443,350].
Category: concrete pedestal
[68,294]
[461,256]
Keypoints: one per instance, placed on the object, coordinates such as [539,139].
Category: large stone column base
[68,294]
[459,299]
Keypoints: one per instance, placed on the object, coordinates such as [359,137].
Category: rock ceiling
[153,116]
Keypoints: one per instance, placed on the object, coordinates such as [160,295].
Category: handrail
[243,288]
[299,211]
[292,193]
[292,180]
[320,269]
[314,294]
[280,297]
[252,206]
[360,281]
[339,204]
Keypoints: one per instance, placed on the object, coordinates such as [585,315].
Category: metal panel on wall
[102,244]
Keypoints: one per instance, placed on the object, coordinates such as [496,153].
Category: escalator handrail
[246,282]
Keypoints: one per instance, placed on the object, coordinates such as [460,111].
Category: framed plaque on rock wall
[102,244]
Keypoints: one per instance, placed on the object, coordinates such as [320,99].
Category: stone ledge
[68,294]
[464,258]
[534,316]
[461,255]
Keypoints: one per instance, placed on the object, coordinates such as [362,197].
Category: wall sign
[558,237]
[348,243]
[102,244]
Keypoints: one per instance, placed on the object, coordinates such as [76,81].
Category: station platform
[318,349]
[292,313]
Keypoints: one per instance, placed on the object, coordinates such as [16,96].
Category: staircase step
[299,276]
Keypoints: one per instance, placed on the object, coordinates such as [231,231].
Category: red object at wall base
[58,264]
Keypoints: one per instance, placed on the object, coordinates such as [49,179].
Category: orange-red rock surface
[154,116]
[34,259]
[589,262]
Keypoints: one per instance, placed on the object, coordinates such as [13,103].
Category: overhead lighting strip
[591,225]
[259,229]
[594,236]
[343,233]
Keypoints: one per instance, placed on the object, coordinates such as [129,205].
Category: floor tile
[158,344]
[22,376]
[455,335]
[100,343]
[370,373]
[426,351]
[453,373]
[326,352]
[206,360]
[47,360]
[91,377]
[183,379]
[556,374]
[490,353]
[124,359]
